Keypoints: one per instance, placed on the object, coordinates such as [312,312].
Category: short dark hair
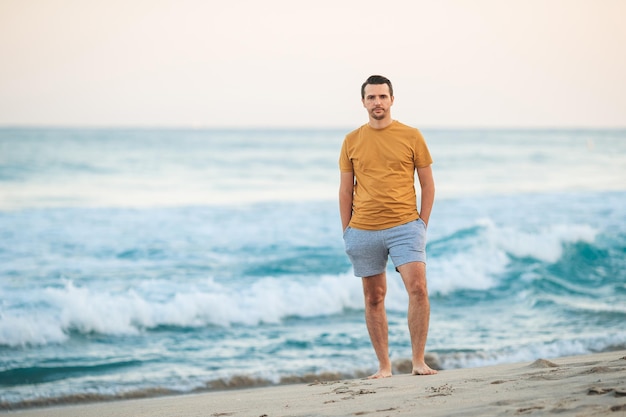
[376,79]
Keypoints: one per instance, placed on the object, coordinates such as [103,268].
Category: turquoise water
[142,262]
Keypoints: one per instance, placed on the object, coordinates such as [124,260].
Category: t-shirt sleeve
[422,156]
[345,164]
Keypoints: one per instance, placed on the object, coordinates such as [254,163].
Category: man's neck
[380,124]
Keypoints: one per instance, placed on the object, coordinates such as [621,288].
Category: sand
[588,385]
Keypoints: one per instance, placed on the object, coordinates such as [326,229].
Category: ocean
[143,262]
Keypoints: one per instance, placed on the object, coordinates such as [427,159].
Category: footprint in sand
[598,391]
[441,391]
[599,370]
[619,392]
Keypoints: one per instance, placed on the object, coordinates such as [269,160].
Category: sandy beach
[587,385]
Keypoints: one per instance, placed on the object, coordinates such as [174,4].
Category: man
[378,208]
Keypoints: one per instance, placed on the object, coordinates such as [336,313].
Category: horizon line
[292,127]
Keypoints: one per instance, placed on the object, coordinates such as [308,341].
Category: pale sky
[289,63]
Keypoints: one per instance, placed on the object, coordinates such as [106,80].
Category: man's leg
[414,277]
[374,290]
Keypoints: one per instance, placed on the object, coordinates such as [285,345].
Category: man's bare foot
[380,375]
[423,370]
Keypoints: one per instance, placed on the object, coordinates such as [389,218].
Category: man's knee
[414,277]
[374,290]
[418,291]
[375,298]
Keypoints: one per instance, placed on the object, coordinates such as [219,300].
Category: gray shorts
[369,250]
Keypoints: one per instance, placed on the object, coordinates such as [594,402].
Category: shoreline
[592,384]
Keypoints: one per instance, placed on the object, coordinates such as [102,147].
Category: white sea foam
[483,257]
[545,244]
[552,349]
[36,329]
[476,268]
[85,310]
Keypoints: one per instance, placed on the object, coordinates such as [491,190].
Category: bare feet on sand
[423,369]
[380,375]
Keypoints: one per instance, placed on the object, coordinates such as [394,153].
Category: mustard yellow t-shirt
[383,162]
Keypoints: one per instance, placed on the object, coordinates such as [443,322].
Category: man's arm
[427,184]
[346,190]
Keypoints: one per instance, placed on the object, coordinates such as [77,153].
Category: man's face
[377,101]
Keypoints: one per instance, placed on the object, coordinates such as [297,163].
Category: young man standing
[378,207]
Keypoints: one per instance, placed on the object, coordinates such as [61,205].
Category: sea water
[142,262]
